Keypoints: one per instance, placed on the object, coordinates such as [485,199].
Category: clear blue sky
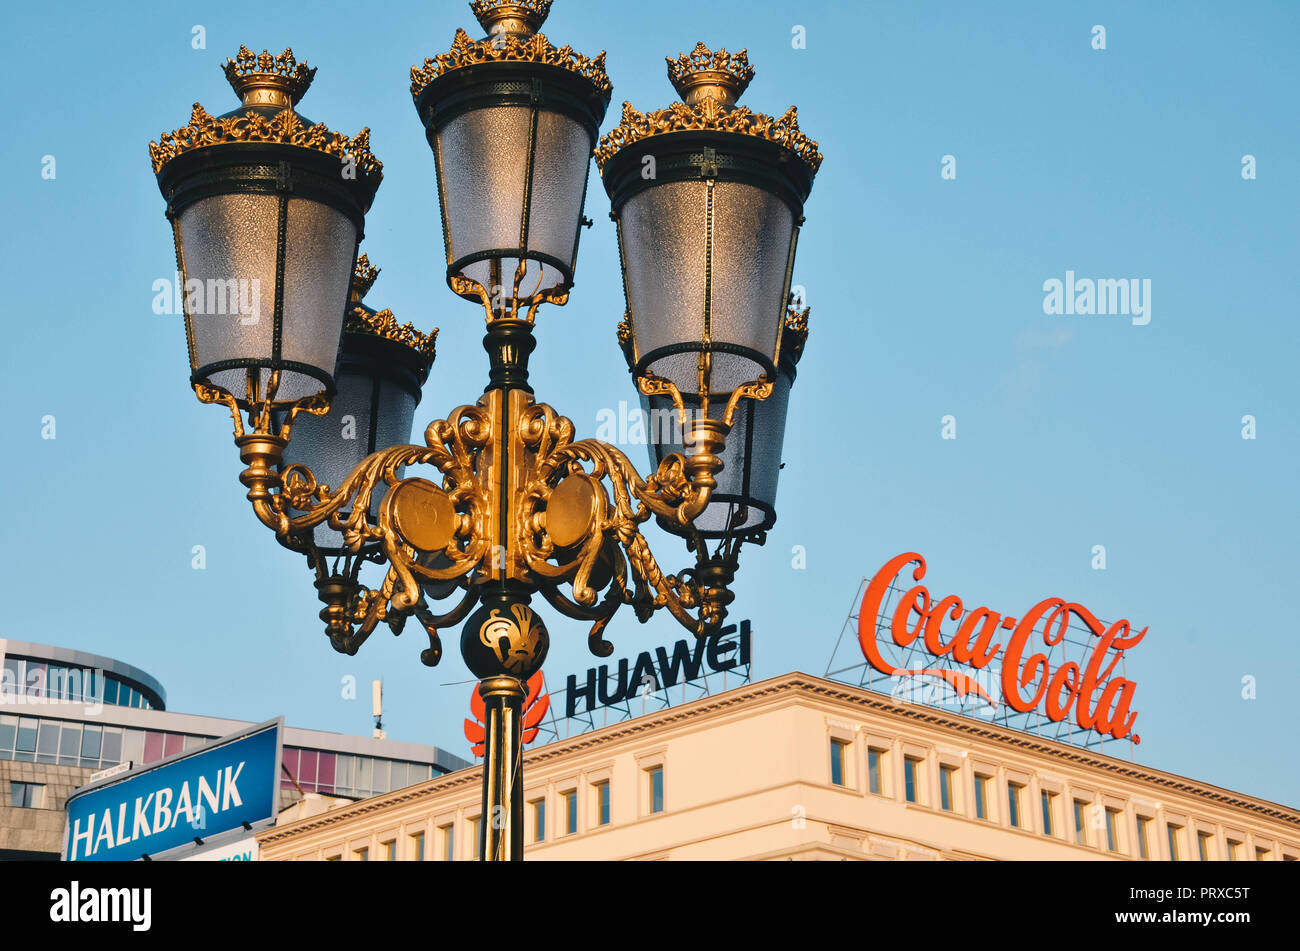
[927,300]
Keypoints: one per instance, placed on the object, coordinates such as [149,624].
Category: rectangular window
[911,779]
[539,820]
[1080,829]
[1234,851]
[837,762]
[656,789]
[47,742]
[361,855]
[570,800]
[476,837]
[945,787]
[133,746]
[1203,845]
[8,733]
[1049,812]
[1144,850]
[26,795]
[26,735]
[417,847]
[448,842]
[602,803]
[1112,830]
[111,746]
[981,796]
[873,771]
[91,738]
[1172,831]
[1013,804]
[390,850]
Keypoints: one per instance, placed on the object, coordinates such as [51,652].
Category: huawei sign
[1090,693]
[535,706]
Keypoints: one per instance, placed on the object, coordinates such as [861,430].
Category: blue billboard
[194,795]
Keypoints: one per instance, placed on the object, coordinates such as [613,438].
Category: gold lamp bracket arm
[759,390]
[650,385]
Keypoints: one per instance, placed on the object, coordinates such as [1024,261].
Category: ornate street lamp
[514,505]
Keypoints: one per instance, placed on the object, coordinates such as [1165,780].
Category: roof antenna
[377,707]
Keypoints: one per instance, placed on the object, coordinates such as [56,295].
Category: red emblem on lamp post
[536,704]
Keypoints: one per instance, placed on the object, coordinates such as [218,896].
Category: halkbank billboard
[226,784]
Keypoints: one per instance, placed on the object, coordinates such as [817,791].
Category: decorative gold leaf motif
[708,115]
[509,48]
[384,324]
[363,277]
[284,128]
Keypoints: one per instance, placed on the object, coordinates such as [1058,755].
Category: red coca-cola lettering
[1058,692]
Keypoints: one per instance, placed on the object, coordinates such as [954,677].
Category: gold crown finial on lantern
[363,278]
[270,87]
[261,79]
[706,74]
[521,17]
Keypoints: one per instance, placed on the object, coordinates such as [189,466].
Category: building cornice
[791,688]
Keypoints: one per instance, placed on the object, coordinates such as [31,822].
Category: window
[837,762]
[390,850]
[1261,854]
[1172,832]
[1013,804]
[47,741]
[1203,846]
[602,803]
[476,837]
[361,855]
[570,800]
[1234,850]
[981,796]
[417,847]
[1049,812]
[334,858]
[1144,850]
[26,795]
[945,787]
[1080,830]
[448,841]
[539,820]
[911,782]
[656,775]
[873,770]
[1112,830]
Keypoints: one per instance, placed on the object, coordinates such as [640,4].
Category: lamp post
[514,505]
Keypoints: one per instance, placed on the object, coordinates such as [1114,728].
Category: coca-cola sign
[1091,692]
